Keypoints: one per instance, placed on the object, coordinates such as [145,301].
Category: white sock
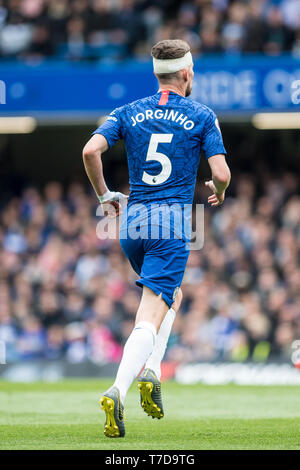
[159,349]
[137,349]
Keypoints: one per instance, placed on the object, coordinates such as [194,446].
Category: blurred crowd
[110,30]
[64,292]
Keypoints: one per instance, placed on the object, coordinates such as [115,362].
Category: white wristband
[106,196]
[111,196]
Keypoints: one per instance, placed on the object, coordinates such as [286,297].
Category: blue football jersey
[164,135]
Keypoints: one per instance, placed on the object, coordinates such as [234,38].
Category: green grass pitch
[65,415]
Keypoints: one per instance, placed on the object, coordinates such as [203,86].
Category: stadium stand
[111,30]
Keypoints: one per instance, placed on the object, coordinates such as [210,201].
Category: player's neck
[172,88]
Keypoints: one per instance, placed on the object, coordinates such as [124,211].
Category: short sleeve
[111,129]
[212,141]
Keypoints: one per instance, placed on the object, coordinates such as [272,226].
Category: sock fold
[147,325]
[137,349]
[154,361]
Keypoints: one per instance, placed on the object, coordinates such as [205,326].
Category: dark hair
[169,49]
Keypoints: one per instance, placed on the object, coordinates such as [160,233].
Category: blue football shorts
[160,263]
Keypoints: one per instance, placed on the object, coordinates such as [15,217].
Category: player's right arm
[213,147]
[220,179]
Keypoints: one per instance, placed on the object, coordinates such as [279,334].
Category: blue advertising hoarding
[230,85]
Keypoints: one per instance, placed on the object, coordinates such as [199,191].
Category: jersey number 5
[152,154]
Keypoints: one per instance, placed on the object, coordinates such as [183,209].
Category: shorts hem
[157,291]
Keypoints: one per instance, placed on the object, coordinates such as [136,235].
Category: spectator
[31,340]
[41,45]
[254,28]
[278,37]
[233,31]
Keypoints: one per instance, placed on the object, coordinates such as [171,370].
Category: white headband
[172,65]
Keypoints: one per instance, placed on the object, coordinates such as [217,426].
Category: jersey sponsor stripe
[164,97]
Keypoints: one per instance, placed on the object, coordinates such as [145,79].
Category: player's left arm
[92,159]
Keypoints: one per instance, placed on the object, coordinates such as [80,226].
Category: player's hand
[112,203]
[216,199]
